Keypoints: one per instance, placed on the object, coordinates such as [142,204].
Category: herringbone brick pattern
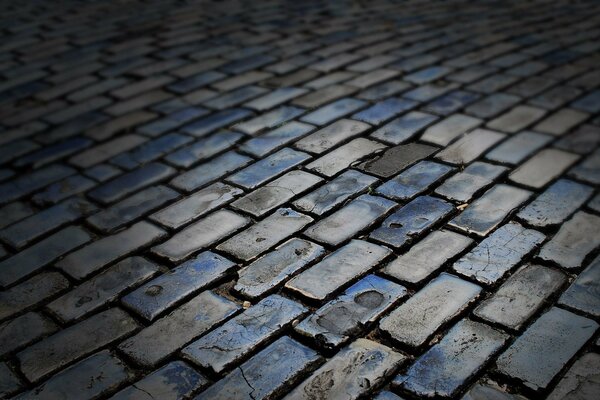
[299,200]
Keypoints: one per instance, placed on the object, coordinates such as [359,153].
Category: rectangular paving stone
[131,182]
[261,171]
[582,141]
[196,205]
[13,212]
[517,119]
[463,185]
[267,273]
[257,379]
[150,151]
[275,98]
[210,171]
[269,120]
[405,127]
[411,221]
[414,180]
[543,167]
[90,378]
[161,293]
[211,123]
[384,110]
[581,295]
[276,192]
[498,253]
[31,292]
[102,252]
[20,331]
[561,122]
[518,147]
[588,170]
[451,102]
[470,146]
[427,256]
[74,342]
[575,239]
[174,381]
[448,129]
[203,149]
[588,103]
[200,235]
[344,375]
[580,381]
[265,234]
[262,145]
[326,138]
[555,204]
[242,335]
[324,95]
[9,382]
[235,97]
[196,81]
[519,298]
[102,289]
[397,158]
[30,182]
[24,232]
[106,150]
[340,267]
[492,105]
[448,366]
[64,189]
[488,211]
[348,315]
[172,121]
[539,354]
[486,389]
[132,208]
[422,315]
[166,335]
[342,157]
[345,223]
[334,192]
[41,254]
[333,111]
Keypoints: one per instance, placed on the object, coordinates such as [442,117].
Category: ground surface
[318,200]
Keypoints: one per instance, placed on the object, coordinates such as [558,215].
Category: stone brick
[345,223]
[104,151]
[9,382]
[203,149]
[75,342]
[174,381]
[348,315]
[384,110]
[589,169]
[465,184]
[488,211]
[574,241]
[211,123]
[411,221]
[518,147]
[581,380]
[150,151]
[200,235]
[581,294]
[470,146]
[517,300]
[334,192]
[333,111]
[561,122]
[397,158]
[265,234]
[489,390]
[344,156]
[341,267]
[102,289]
[448,365]
[498,253]
[166,335]
[414,180]
[269,120]
[256,379]
[345,375]
[516,119]
[538,355]
[23,330]
[404,127]
[422,315]
[450,128]
[543,167]
[331,135]
[33,181]
[492,105]
[427,256]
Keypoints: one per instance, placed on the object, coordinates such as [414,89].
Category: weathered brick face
[301,200]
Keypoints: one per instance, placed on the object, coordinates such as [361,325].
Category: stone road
[299,200]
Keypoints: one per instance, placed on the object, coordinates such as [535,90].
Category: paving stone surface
[320,200]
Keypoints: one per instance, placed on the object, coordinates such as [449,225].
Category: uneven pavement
[299,200]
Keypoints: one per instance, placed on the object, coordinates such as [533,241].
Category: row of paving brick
[307,235]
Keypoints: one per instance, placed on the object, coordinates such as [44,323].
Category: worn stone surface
[463,185]
[488,211]
[415,321]
[575,239]
[427,256]
[521,296]
[581,380]
[470,146]
[450,128]
[346,374]
[345,264]
[518,147]
[331,135]
[240,336]
[397,158]
[21,331]
[257,379]
[268,272]
[414,180]
[543,168]
[344,156]
[442,370]
[498,253]
[489,391]
[582,295]
[344,317]
[545,347]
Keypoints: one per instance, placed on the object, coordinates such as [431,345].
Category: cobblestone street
[319,200]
